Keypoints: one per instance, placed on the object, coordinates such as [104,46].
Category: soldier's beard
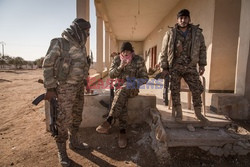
[183,25]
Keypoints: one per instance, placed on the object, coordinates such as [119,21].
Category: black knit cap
[127,46]
[183,12]
[83,24]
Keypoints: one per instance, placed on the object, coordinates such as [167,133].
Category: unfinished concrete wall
[225,42]
[247,83]
[242,80]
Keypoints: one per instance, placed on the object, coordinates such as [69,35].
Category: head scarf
[76,31]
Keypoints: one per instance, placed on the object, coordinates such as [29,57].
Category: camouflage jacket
[136,69]
[65,62]
[198,49]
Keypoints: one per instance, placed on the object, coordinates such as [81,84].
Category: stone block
[216,151]
[234,106]
[104,73]
[93,111]
[240,150]
[227,149]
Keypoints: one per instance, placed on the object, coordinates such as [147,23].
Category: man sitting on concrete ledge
[131,70]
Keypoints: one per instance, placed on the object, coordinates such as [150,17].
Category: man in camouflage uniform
[131,70]
[183,47]
[65,73]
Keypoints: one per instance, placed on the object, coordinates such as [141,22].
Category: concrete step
[201,137]
[215,120]
[215,140]
[189,117]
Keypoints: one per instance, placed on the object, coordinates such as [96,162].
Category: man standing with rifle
[66,67]
[183,47]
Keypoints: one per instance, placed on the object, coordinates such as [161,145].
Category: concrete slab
[190,118]
[201,137]
[235,106]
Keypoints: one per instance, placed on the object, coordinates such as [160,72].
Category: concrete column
[99,44]
[82,11]
[224,46]
[113,46]
[243,49]
[107,49]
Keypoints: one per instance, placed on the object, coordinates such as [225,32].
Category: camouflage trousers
[70,108]
[119,105]
[191,77]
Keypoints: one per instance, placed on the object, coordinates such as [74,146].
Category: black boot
[198,114]
[62,154]
[178,110]
[74,142]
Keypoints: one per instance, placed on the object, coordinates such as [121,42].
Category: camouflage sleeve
[142,77]
[164,52]
[48,64]
[203,52]
[114,70]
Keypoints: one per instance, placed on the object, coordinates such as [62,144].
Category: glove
[51,93]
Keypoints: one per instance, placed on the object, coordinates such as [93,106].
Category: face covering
[126,58]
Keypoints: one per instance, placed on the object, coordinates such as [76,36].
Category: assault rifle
[53,112]
[166,86]
[111,98]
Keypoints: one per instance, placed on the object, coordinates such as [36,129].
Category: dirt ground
[25,142]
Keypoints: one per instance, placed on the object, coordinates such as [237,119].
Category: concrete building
[226,29]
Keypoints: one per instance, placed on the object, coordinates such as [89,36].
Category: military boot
[62,154]
[122,140]
[178,115]
[197,111]
[74,142]
[104,128]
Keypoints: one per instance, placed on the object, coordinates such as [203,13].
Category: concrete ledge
[93,111]
[104,73]
[94,78]
[234,106]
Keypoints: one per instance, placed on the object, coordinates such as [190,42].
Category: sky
[27,26]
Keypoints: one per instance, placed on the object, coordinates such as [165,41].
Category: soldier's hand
[201,70]
[50,94]
[113,54]
[87,89]
[164,73]
[123,64]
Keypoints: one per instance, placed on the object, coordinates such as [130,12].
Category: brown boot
[122,140]
[62,154]
[103,128]
[178,110]
[74,142]
[197,111]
